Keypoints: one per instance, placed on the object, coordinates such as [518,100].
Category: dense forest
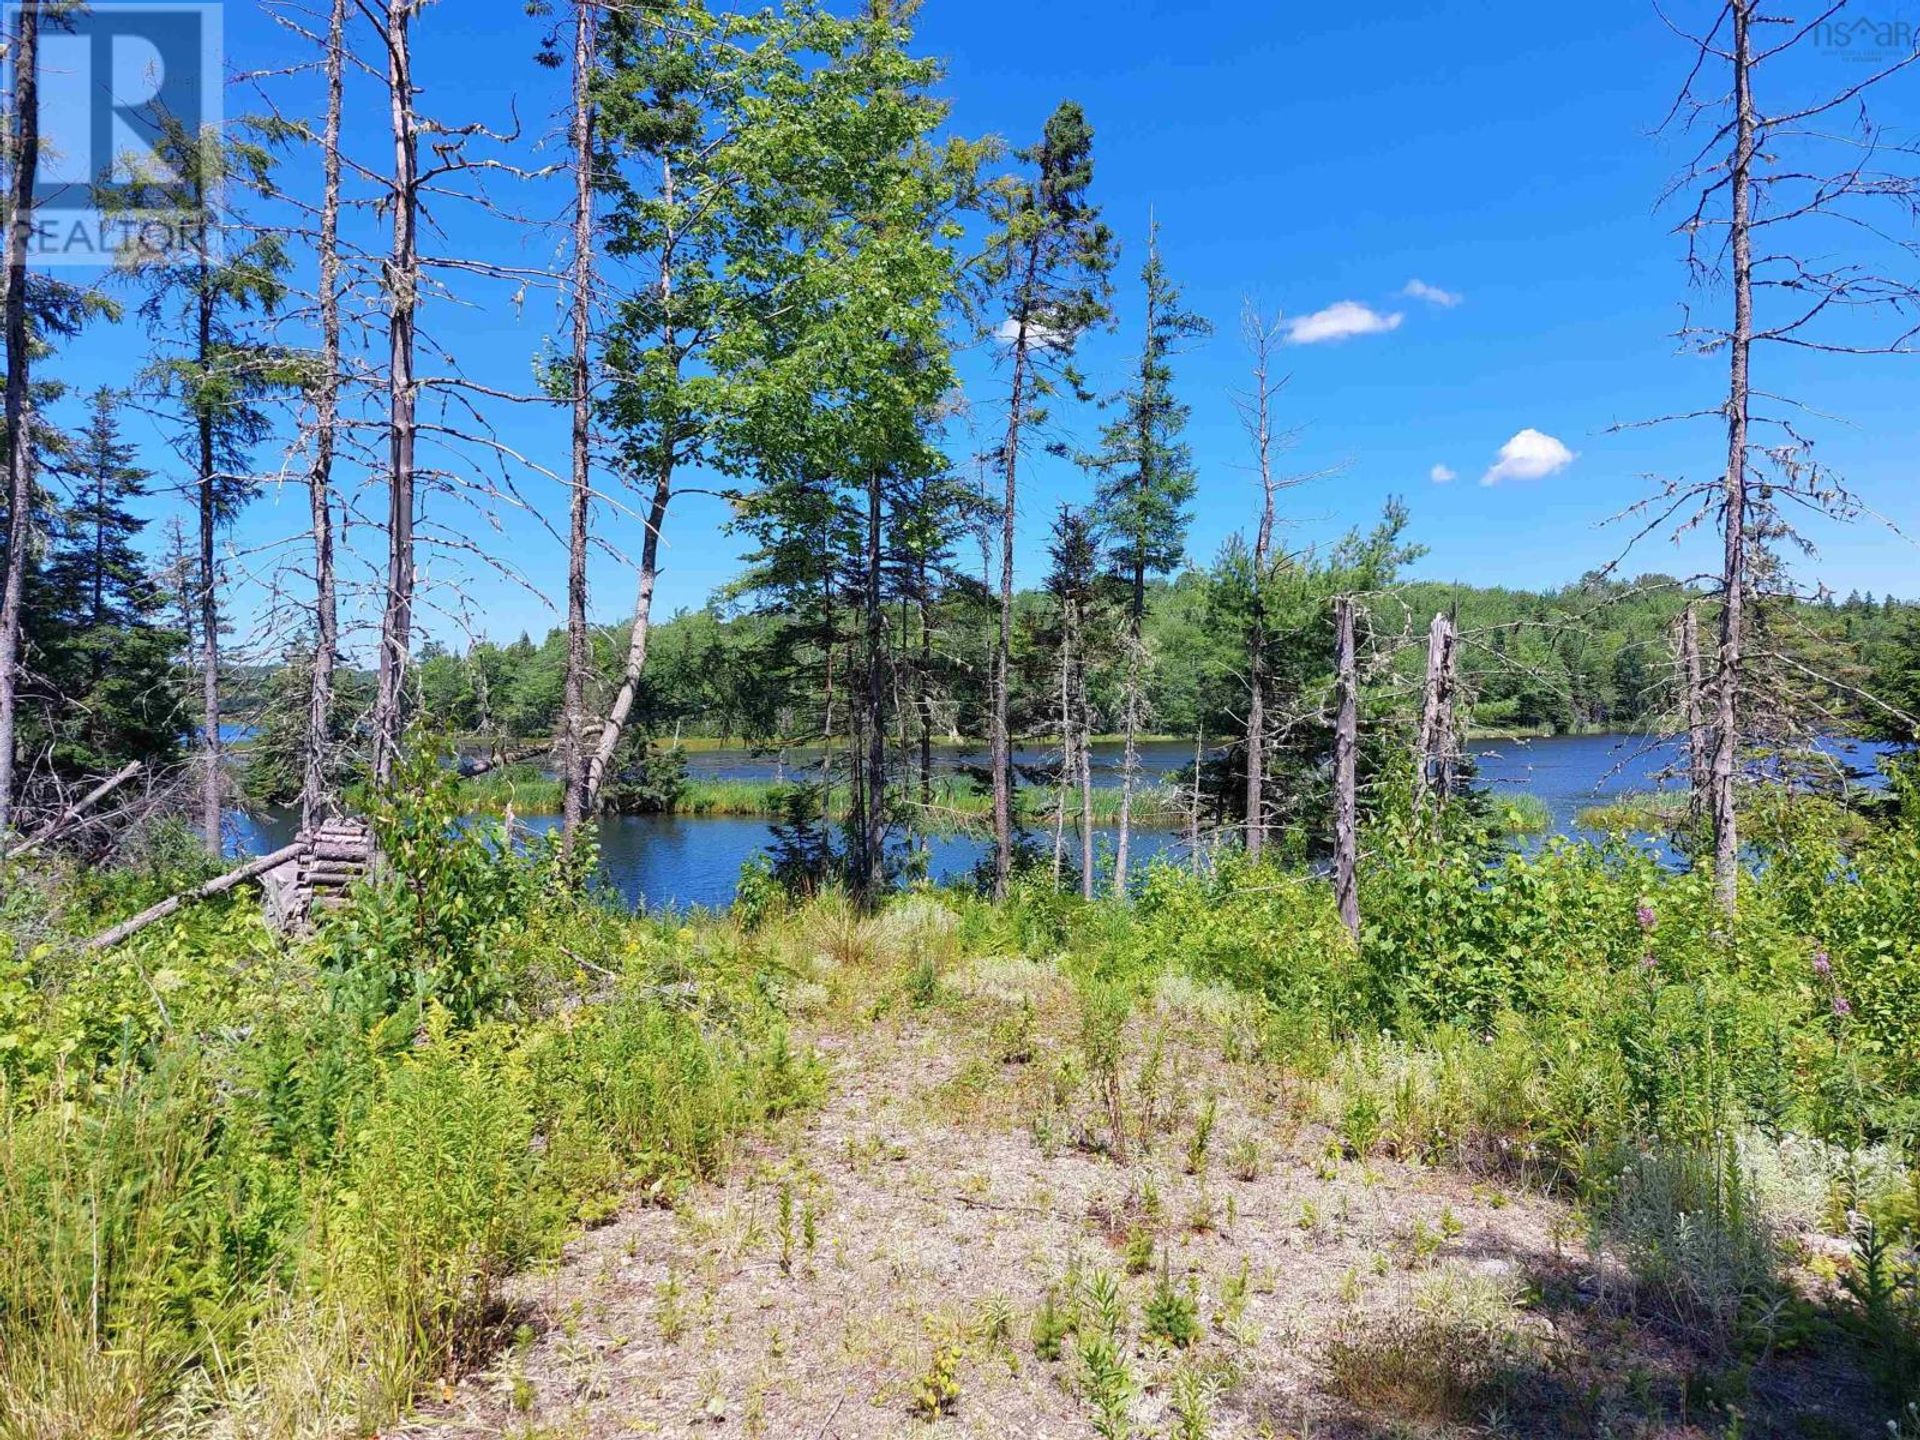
[1351,1111]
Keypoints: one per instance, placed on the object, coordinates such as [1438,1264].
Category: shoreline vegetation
[956,806]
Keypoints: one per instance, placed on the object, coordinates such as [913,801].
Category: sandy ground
[885,1256]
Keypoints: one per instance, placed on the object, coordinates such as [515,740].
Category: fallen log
[219,885]
[79,807]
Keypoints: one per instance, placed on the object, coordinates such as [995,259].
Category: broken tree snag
[1434,765]
[79,807]
[219,885]
[1693,710]
[1346,744]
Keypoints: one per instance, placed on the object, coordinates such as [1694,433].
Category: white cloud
[1341,320]
[1432,294]
[1530,455]
[1038,335]
[1441,474]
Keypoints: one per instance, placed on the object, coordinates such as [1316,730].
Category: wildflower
[1648,961]
[1822,964]
[1644,914]
[1841,1006]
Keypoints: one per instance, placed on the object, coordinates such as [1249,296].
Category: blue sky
[1304,156]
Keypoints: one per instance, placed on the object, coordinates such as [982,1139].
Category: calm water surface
[662,861]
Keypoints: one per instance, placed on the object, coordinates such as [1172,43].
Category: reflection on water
[663,860]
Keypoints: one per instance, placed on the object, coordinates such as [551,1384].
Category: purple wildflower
[1822,964]
[1841,1005]
[1644,914]
[1648,961]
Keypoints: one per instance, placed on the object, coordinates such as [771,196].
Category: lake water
[668,860]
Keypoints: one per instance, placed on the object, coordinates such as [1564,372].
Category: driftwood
[74,811]
[219,885]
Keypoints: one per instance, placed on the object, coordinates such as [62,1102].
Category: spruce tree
[1146,484]
[1048,266]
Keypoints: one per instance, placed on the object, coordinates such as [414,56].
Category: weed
[1191,1397]
[936,1391]
[1139,1250]
[1109,1386]
[1172,1313]
[1201,1138]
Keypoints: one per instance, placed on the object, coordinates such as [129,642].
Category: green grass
[1522,814]
[1647,811]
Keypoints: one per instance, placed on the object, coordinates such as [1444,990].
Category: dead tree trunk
[1733,578]
[1693,713]
[1067,763]
[1434,763]
[23,141]
[403,290]
[1002,757]
[574,706]
[1130,704]
[317,800]
[1256,413]
[209,576]
[1346,744]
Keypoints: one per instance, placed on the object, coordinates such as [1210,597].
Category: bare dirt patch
[951,1245]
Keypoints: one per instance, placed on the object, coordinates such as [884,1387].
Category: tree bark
[23,139]
[1733,583]
[574,705]
[1346,741]
[1433,766]
[1693,711]
[317,799]
[403,286]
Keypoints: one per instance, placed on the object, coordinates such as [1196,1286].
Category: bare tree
[1261,335]
[23,141]
[579,645]
[403,298]
[1436,755]
[317,800]
[1772,190]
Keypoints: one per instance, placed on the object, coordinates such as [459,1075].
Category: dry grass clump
[1449,1351]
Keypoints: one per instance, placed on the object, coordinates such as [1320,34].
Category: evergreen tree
[1146,484]
[1048,265]
[214,371]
